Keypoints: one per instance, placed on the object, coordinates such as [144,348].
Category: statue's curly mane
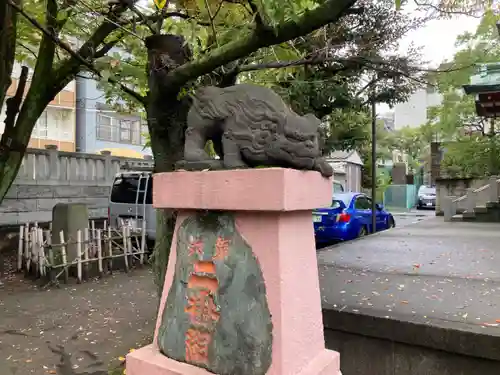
[264,118]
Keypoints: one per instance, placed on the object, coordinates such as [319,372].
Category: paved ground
[426,271]
[407,218]
[74,330]
[421,270]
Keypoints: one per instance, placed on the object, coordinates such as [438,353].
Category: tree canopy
[467,151]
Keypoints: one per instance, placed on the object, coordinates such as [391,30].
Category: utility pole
[493,153]
[374,165]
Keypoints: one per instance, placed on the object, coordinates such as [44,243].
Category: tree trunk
[15,138]
[167,112]
[8,19]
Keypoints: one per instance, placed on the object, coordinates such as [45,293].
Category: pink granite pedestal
[272,208]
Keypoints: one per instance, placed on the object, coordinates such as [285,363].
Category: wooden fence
[95,251]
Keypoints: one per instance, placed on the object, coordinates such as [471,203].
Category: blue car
[349,217]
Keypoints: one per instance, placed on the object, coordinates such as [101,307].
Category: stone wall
[455,187]
[381,346]
[49,176]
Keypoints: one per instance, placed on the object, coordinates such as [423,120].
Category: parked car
[131,201]
[349,217]
[337,187]
[426,197]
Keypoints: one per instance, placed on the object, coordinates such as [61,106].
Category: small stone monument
[69,218]
[241,293]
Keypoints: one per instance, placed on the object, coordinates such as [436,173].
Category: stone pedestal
[272,212]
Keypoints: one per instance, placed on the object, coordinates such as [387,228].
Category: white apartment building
[413,113]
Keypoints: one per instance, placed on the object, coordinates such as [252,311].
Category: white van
[131,201]
[337,187]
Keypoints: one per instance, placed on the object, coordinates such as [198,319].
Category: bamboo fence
[95,250]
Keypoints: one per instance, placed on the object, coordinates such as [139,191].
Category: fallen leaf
[405,302]
[121,358]
[490,324]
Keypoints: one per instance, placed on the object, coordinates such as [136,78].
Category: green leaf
[105,74]
[63,14]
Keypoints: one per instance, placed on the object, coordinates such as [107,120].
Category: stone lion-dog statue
[251,126]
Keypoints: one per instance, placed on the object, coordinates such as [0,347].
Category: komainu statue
[251,126]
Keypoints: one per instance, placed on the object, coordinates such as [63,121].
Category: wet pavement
[428,271]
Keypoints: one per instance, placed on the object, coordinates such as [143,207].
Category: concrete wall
[91,102]
[47,177]
[458,187]
[371,345]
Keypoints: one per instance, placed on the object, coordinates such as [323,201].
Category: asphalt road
[406,218]
[429,271]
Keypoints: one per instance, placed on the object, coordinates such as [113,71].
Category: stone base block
[149,361]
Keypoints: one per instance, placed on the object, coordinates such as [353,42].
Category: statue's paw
[196,156]
[324,168]
[234,164]
[200,165]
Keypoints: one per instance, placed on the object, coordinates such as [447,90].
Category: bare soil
[72,329]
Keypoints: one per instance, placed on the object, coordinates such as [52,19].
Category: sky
[438,38]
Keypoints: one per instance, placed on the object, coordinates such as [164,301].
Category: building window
[106,128]
[144,133]
[125,131]
[41,130]
[113,129]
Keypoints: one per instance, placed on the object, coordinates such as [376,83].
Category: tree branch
[76,55]
[13,104]
[156,17]
[259,21]
[329,11]
[107,46]
[28,49]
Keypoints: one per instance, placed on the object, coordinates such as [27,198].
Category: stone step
[481,209]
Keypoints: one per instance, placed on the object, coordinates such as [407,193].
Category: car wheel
[362,232]
[391,223]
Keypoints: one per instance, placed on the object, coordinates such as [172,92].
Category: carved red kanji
[197,346]
[221,248]
[202,309]
[195,247]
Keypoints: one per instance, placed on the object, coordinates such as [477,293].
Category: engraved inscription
[216,308]
[196,247]
[197,346]
[201,307]
[221,248]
